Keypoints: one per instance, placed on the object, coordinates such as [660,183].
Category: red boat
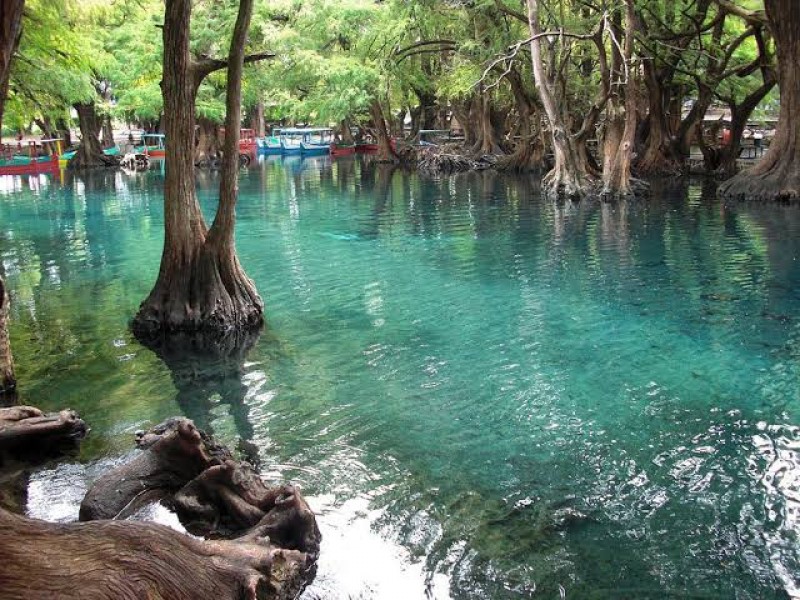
[30,164]
[363,148]
[343,149]
[247,139]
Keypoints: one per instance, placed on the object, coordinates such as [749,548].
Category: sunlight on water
[482,394]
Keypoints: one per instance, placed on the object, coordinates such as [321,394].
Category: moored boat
[269,145]
[31,163]
[152,145]
[342,149]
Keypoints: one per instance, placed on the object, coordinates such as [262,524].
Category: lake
[483,394]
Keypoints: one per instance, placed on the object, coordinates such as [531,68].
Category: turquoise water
[483,394]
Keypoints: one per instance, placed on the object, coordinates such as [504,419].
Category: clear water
[484,395]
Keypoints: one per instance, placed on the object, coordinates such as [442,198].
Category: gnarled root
[25,429]
[212,494]
[132,560]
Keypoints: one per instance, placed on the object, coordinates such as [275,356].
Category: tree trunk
[108,132]
[90,152]
[7,379]
[528,149]
[200,285]
[346,133]
[568,177]
[385,152]
[259,126]
[208,145]
[64,131]
[657,157]
[10,30]
[740,114]
[622,119]
[487,138]
[777,175]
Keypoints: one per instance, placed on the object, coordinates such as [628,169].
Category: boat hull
[310,149]
[342,149]
[43,165]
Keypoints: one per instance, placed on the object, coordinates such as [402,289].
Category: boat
[152,145]
[314,148]
[290,141]
[31,163]
[247,140]
[342,149]
[269,145]
[372,148]
[316,141]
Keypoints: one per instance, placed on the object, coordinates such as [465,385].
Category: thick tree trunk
[259,127]
[621,120]
[7,379]
[208,142]
[346,132]
[487,135]
[740,114]
[10,31]
[568,177]
[385,152]
[108,132]
[528,148]
[201,285]
[777,175]
[657,156]
[90,152]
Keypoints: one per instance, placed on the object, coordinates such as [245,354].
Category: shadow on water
[207,373]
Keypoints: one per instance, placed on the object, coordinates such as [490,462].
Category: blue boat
[314,148]
[305,140]
[269,145]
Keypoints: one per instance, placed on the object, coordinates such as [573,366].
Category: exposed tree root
[25,429]
[211,493]
[131,560]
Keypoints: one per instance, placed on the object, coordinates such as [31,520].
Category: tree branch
[205,66]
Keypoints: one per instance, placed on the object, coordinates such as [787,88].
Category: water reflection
[487,394]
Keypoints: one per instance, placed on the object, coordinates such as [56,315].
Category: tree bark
[777,175]
[385,152]
[568,177]
[201,285]
[259,127]
[25,429]
[7,378]
[208,145]
[10,31]
[622,119]
[128,560]
[90,152]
